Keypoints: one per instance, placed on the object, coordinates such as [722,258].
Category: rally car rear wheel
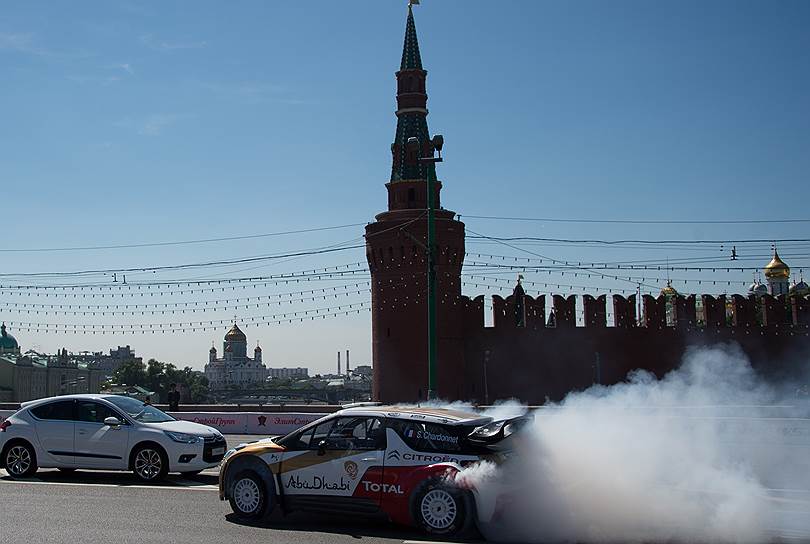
[249,495]
[442,509]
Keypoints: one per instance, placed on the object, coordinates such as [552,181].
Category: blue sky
[129,122]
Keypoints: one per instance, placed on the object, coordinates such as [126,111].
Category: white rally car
[394,460]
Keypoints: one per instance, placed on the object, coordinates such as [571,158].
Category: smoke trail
[637,462]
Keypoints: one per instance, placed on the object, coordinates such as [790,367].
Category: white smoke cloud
[699,455]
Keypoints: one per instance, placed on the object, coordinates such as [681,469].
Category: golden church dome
[235,335]
[777,269]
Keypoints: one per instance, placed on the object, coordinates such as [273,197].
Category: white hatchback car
[106,432]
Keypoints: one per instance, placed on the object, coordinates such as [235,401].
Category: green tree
[157,376]
[130,373]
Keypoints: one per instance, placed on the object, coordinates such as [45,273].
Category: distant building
[297,372]
[235,368]
[31,375]
[364,370]
[108,364]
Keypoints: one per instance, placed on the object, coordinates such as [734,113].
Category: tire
[249,497]
[442,509]
[149,463]
[191,473]
[20,460]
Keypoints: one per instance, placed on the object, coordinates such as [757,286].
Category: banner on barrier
[268,423]
[275,424]
[264,423]
[224,422]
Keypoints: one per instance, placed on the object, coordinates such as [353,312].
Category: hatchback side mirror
[111,421]
[322,447]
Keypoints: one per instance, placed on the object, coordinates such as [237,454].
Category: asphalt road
[102,507]
[93,507]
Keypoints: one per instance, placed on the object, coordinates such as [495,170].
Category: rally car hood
[260,446]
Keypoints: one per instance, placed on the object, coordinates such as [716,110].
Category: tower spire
[411,112]
[411,59]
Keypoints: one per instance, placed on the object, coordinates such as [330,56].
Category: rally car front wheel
[249,496]
[443,509]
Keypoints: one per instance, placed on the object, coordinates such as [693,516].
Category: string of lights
[631,279]
[584,266]
[274,278]
[327,291]
[509,286]
[648,262]
[185,325]
[202,308]
[301,319]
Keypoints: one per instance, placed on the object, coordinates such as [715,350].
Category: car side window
[430,437]
[309,438]
[55,411]
[94,412]
[319,433]
[357,433]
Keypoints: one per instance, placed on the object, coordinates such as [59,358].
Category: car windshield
[137,410]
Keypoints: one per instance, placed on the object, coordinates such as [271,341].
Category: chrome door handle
[82,432]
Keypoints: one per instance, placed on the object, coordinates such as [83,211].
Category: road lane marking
[184,484]
[122,486]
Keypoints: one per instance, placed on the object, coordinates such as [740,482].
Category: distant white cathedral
[235,368]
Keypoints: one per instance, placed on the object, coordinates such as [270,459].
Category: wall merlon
[714,311]
[565,309]
[685,310]
[655,313]
[624,312]
[595,311]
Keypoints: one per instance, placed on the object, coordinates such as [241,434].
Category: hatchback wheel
[150,464]
[20,461]
[248,496]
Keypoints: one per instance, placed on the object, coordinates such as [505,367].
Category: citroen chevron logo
[394,455]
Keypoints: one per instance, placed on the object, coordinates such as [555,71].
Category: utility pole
[436,143]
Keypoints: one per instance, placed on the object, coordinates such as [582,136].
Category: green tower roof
[411,60]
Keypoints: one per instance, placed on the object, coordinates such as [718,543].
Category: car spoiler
[498,430]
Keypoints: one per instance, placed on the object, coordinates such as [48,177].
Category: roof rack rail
[359,404]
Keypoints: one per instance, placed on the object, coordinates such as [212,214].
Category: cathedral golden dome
[235,335]
[777,269]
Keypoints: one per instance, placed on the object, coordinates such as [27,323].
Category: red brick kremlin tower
[397,258]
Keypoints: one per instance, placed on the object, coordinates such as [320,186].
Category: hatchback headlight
[183,437]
